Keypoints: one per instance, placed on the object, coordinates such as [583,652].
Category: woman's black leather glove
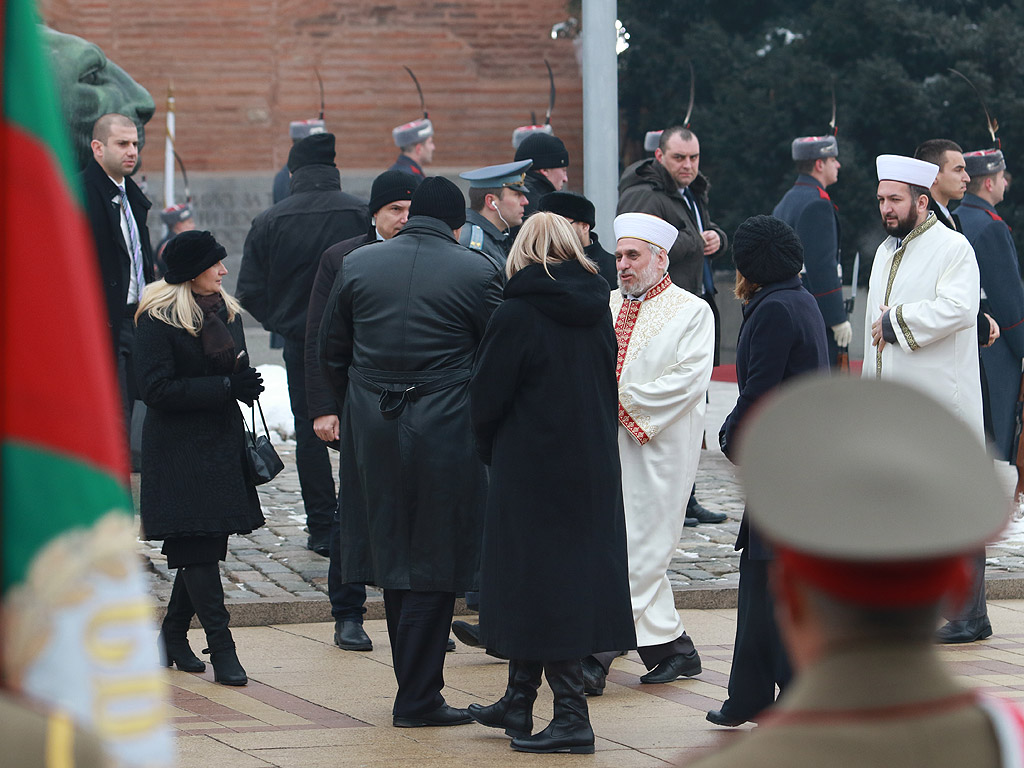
[246,385]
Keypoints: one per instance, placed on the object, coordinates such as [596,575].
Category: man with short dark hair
[671,187]
[951,180]
[279,261]
[117,209]
[497,201]
[397,345]
[808,209]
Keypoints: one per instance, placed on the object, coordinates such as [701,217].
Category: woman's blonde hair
[546,237]
[174,304]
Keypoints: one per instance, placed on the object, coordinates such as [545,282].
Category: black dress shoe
[349,635]
[319,544]
[594,676]
[964,631]
[675,666]
[468,634]
[450,648]
[700,514]
[442,716]
[719,717]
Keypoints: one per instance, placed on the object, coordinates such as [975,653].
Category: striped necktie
[134,246]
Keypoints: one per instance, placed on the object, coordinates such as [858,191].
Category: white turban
[645,227]
[906,169]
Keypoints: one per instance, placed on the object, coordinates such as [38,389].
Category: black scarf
[218,345]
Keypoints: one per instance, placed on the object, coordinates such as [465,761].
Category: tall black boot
[514,710]
[174,629]
[569,729]
[207,593]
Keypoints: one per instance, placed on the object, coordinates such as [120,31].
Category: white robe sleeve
[655,405]
[954,308]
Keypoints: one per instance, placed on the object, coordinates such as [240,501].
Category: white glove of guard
[843,333]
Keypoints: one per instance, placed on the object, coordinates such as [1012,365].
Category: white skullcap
[645,227]
[894,492]
[906,169]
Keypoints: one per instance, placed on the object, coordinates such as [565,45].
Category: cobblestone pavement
[271,569]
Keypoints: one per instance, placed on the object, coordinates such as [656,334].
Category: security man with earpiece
[497,200]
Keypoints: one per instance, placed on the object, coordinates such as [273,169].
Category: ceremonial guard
[415,140]
[497,199]
[1003,300]
[666,339]
[808,209]
[859,581]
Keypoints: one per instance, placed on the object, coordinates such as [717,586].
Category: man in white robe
[666,341]
[923,296]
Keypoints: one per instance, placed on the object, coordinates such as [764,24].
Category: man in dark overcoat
[782,336]
[582,216]
[279,261]
[397,345]
[808,209]
[549,171]
[390,197]
[117,210]
[671,187]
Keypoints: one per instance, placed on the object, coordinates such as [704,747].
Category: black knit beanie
[439,198]
[191,253]
[317,149]
[545,151]
[570,205]
[391,186]
[767,250]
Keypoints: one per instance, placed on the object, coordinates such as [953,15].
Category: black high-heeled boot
[569,729]
[207,594]
[514,710]
[174,629]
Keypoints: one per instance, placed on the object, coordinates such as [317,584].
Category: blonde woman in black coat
[553,574]
[192,368]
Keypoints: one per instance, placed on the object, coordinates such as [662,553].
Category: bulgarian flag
[76,628]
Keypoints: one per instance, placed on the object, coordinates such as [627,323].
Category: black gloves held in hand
[246,385]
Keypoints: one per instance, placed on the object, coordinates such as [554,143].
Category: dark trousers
[650,655]
[316,477]
[125,371]
[759,660]
[418,625]
[974,606]
[347,600]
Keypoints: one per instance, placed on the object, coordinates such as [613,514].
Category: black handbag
[264,463]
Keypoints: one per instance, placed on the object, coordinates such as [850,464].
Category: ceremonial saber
[169,149]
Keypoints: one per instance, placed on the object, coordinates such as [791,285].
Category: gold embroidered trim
[906,331]
[897,259]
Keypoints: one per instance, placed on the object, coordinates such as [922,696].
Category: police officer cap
[868,471]
[545,151]
[984,162]
[570,205]
[175,214]
[813,147]
[300,129]
[511,175]
[520,133]
[652,140]
[412,133]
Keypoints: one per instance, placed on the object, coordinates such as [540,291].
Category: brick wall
[242,69]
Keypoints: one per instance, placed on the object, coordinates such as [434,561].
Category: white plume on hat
[645,227]
[909,170]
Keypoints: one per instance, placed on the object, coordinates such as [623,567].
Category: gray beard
[646,278]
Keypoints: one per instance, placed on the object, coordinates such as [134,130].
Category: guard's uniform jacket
[479,234]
